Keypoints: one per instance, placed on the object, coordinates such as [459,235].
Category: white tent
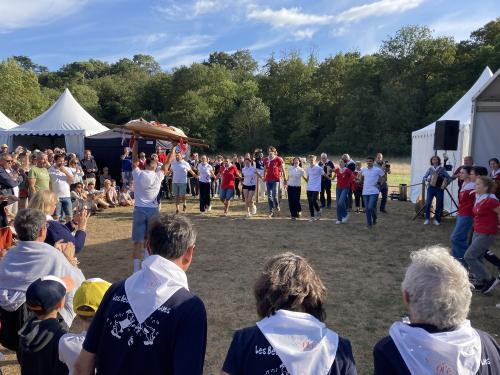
[485,127]
[422,145]
[6,123]
[64,118]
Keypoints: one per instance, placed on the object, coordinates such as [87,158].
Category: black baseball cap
[44,294]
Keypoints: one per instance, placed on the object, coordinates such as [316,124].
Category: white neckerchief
[302,342]
[454,352]
[495,173]
[436,169]
[482,197]
[153,285]
[49,218]
[469,186]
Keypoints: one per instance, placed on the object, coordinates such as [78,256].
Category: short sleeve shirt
[172,340]
[42,177]
[294,176]
[485,218]
[205,170]
[59,180]
[371,177]
[180,170]
[228,176]
[147,186]
[127,164]
[273,169]
[314,174]
[249,177]
[251,353]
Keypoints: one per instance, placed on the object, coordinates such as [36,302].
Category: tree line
[346,102]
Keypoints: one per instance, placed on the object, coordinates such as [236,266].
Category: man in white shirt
[180,169]
[60,180]
[313,177]
[147,184]
[371,189]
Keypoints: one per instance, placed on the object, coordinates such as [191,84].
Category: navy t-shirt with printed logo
[251,354]
[172,340]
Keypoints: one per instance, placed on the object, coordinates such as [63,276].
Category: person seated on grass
[110,194]
[151,323]
[439,339]
[96,196]
[39,336]
[86,301]
[46,201]
[125,199]
[291,337]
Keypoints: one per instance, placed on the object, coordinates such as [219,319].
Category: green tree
[251,125]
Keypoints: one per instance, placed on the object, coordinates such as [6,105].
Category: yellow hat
[89,295]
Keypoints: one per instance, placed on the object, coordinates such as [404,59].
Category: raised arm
[135,153]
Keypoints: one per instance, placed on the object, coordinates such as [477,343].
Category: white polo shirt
[205,172]
[314,174]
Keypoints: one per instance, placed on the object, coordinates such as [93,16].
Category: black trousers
[326,187]
[312,199]
[193,185]
[204,195]
[358,193]
[384,190]
[294,200]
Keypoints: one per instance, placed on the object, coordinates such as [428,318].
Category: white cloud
[459,26]
[304,34]
[185,46]
[339,31]
[264,44]
[18,14]
[287,17]
[184,60]
[377,8]
[190,10]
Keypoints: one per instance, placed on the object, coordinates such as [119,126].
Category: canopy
[485,125]
[64,118]
[422,146]
[6,123]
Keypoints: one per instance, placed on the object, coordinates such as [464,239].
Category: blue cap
[45,293]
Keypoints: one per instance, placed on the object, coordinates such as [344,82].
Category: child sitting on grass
[39,336]
[86,301]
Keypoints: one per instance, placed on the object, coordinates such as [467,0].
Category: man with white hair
[439,339]
[326,182]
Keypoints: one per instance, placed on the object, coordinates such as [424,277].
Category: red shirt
[228,176]
[142,164]
[344,178]
[485,218]
[162,158]
[466,200]
[273,169]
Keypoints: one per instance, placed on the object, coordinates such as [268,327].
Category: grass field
[361,268]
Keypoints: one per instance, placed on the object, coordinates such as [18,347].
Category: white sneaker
[203,213]
[435,222]
[209,208]
[254,209]
[426,222]
[338,222]
[248,216]
[345,219]
[312,219]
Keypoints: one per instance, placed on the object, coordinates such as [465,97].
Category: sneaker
[316,218]
[271,215]
[293,218]
[338,222]
[225,213]
[426,222]
[312,219]
[278,209]
[202,213]
[209,208]
[300,214]
[248,216]
[254,209]
[345,219]
[435,222]
[490,285]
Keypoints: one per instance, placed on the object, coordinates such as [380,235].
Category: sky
[179,32]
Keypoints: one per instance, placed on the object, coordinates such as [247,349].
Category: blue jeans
[438,193]
[342,194]
[459,237]
[140,221]
[371,208]
[272,195]
[64,208]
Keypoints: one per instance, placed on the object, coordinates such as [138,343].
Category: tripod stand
[424,199]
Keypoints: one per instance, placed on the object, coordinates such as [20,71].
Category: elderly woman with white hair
[439,339]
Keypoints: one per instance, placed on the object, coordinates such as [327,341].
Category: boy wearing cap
[86,301]
[39,336]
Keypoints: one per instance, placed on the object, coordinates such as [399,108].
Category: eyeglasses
[9,161]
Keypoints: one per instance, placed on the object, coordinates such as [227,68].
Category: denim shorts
[140,220]
[64,208]
[179,190]
[226,194]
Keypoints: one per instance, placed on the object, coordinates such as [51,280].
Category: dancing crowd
[152,323]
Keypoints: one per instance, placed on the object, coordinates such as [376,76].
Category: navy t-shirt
[250,353]
[127,164]
[172,340]
[388,361]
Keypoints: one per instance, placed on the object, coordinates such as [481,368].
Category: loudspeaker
[446,135]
